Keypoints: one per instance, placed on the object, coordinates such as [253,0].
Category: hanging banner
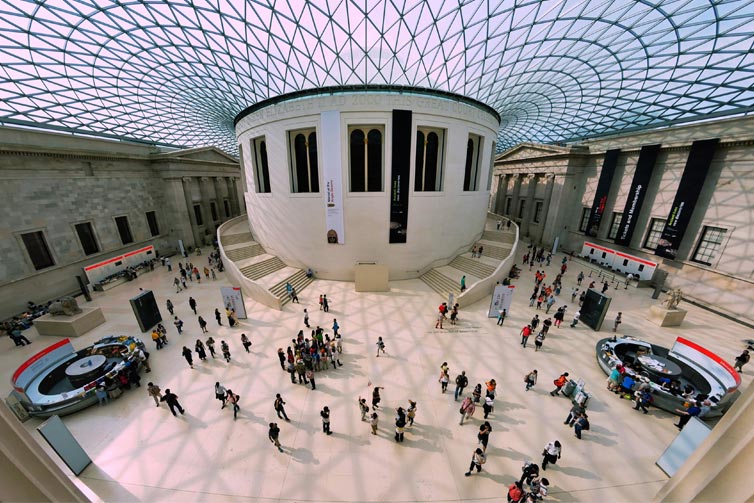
[642,175]
[692,181]
[603,190]
[332,170]
[399,175]
[233,299]
[501,299]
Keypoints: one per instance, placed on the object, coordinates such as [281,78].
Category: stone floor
[142,453]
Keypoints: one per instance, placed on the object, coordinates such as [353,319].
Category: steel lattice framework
[178,72]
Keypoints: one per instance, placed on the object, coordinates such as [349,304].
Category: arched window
[304,162]
[260,167]
[429,159]
[366,158]
[471,171]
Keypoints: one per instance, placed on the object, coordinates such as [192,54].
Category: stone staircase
[299,281]
[440,283]
[499,236]
[238,254]
[492,251]
[472,266]
[262,268]
[235,239]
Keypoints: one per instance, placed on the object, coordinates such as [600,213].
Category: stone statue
[673,298]
[66,306]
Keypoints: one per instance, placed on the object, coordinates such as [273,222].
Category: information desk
[659,366]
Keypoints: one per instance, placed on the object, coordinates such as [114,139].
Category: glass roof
[178,72]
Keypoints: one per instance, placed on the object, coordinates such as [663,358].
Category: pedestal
[666,317]
[70,326]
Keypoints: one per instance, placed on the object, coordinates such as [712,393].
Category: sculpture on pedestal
[673,298]
[66,306]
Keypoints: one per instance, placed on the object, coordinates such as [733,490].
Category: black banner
[643,173]
[692,180]
[603,190]
[399,175]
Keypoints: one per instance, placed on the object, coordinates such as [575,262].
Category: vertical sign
[331,159]
[399,175]
[643,173]
[501,299]
[233,299]
[603,190]
[692,181]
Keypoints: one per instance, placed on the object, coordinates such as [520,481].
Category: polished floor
[142,453]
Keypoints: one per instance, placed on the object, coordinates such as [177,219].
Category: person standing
[374,421]
[376,397]
[294,297]
[576,318]
[177,284]
[281,357]
[155,392]
[501,317]
[274,435]
[199,348]
[440,319]
[221,394]
[538,340]
[225,350]
[529,472]
[411,413]
[280,407]
[742,360]
[477,460]
[189,358]
[218,317]
[400,424]
[363,408]
[551,453]
[531,379]
[642,398]
[489,403]
[172,401]
[310,375]
[325,304]
[306,318]
[245,342]
[577,410]
[525,333]
[559,383]
[618,321]
[582,423]
[559,315]
[211,346]
[202,325]
[192,304]
[321,301]
[605,287]
[335,327]
[178,325]
[580,278]
[461,382]
[444,379]
[484,434]
[233,400]
[169,305]
[380,346]
[325,414]
[467,409]
[687,414]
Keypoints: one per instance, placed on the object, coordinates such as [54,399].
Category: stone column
[232,195]
[190,209]
[517,179]
[206,210]
[220,198]
[502,193]
[549,184]
[531,188]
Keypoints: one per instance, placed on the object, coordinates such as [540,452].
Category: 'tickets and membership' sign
[642,175]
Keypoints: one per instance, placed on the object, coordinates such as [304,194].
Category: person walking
[559,383]
[411,413]
[189,358]
[618,321]
[467,409]
[501,317]
[742,360]
[325,415]
[525,333]
[325,304]
[440,319]
[642,399]
[178,325]
[225,350]
[203,325]
[484,434]
[306,318]
[294,296]
[192,304]
[515,492]
[155,392]
[582,423]
[380,346]
[461,382]
[233,401]
[177,284]
[400,424]
[281,357]
[169,306]
[374,421]
[279,407]
[376,397]
[529,472]
[686,415]
[245,342]
[559,315]
[489,403]
[310,375]
[580,278]
[463,283]
[363,408]
[444,379]
[577,410]
[477,460]
[274,435]
[172,400]
[539,340]
[199,348]
[335,327]
[477,393]
[576,318]
[218,317]
[551,453]
[221,394]
[531,379]
[211,346]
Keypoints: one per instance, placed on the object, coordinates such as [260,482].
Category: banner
[332,169]
[501,299]
[32,367]
[233,299]
[603,190]
[399,175]
[643,173]
[721,370]
[692,181]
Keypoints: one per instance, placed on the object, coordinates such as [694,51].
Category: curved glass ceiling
[178,72]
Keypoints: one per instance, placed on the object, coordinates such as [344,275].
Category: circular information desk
[85,370]
[659,366]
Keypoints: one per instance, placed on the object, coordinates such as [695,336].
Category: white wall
[292,226]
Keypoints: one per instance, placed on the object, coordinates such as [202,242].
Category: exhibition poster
[233,298]
[333,178]
[501,299]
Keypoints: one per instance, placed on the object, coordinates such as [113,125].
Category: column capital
[186,179]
